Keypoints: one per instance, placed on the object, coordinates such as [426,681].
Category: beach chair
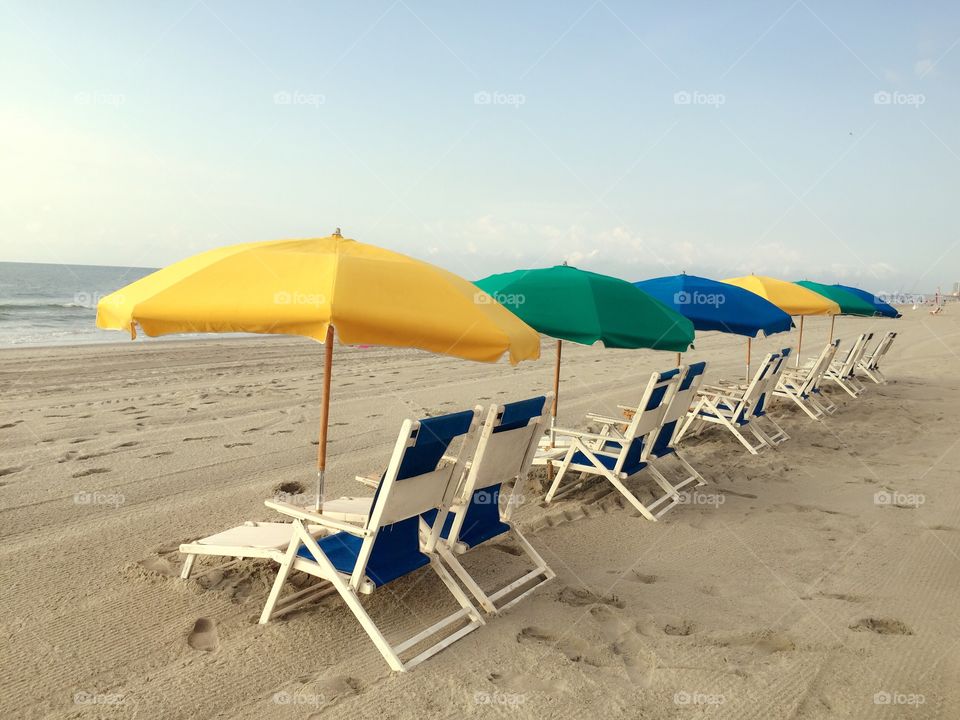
[504,451]
[841,372]
[760,412]
[357,560]
[802,385]
[619,455]
[664,445]
[732,408]
[869,364]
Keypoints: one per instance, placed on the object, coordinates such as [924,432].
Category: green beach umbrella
[585,307]
[849,303]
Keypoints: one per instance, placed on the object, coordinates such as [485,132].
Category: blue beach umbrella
[713,305]
[883,309]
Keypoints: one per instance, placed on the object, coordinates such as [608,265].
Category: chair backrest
[854,354]
[504,451]
[691,377]
[882,347]
[815,374]
[772,379]
[414,483]
[647,419]
[754,393]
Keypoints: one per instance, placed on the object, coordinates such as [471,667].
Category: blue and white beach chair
[869,364]
[802,385]
[357,560]
[733,408]
[619,455]
[842,372]
[504,452]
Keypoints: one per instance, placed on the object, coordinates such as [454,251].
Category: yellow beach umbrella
[793,299]
[316,287]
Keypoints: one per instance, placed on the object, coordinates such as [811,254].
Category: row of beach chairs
[442,492]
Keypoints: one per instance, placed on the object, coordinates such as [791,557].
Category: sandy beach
[818,580]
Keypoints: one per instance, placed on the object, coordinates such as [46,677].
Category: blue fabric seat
[661,446]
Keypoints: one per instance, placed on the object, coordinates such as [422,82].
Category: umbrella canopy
[880,308]
[585,307]
[849,303]
[720,306]
[789,297]
[301,287]
[313,287]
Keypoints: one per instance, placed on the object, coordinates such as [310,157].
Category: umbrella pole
[800,341]
[556,397]
[749,347]
[833,319]
[324,416]
[678,359]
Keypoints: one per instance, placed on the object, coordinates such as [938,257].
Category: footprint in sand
[582,598]
[882,626]
[90,471]
[12,470]
[288,488]
[642,578]
[157,565]
[6,426]
[204,635]
[337,686]
[129,443]
[508,549]
[201,437]
[682,628]
[237,444]
[768,641]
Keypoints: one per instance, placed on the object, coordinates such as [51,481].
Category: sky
[795,138]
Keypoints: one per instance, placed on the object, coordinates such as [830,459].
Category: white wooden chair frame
[869,364]
[645,423]
[396,501]
[731,409]
[498,458]
[842,372]
[801,385]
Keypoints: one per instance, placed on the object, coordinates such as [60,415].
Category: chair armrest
[367,480]
[594,436]
[606,419]
[312,516]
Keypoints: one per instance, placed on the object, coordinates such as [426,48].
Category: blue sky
[638,140]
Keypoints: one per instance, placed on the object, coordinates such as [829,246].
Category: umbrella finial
[336,233]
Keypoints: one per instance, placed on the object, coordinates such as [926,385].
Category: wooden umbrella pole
[749,347]
[833,319]
[324,415]
[800,341]
[678,359]
[553,409]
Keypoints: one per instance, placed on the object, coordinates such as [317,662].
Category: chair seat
[608,462]
[396,552]
[482,521]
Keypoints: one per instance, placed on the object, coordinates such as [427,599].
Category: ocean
[46,304]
